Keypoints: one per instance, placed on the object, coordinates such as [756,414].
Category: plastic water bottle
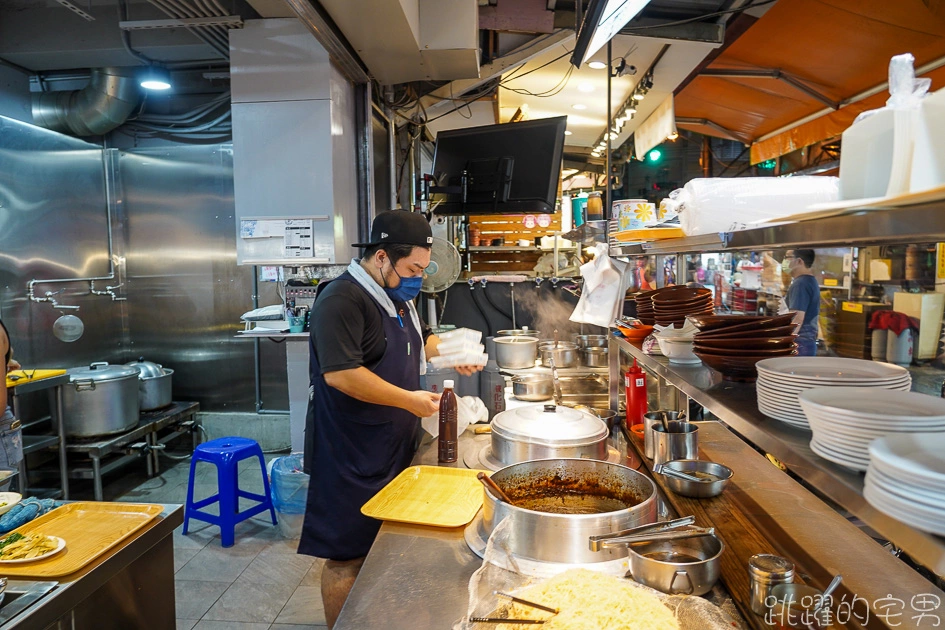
[447,441]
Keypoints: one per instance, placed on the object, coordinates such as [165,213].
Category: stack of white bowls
[906,479]
[845,420]
[782,379]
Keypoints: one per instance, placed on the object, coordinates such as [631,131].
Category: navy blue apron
[357,448]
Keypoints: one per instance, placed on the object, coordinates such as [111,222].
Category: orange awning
[832,50]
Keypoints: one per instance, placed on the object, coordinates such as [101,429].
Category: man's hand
[13,365]
[468,370]
[424,403]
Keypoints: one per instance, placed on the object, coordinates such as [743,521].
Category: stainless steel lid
[550,425]
[515,332]
[101,372]
[147,369]
[767,566]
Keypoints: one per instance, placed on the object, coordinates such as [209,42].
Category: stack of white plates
[845,420]
[906,479]
[781,379]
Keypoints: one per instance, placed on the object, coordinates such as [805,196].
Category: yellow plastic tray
[89,529]
[428,495]
[27,376]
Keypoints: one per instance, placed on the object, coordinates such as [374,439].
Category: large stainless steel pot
[518,332]
[547,431]
[516,353]
[595,357]
[549,537]
[154,384]
[100,400]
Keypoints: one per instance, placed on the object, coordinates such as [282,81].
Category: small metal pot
[701,489]
[533,387]
[689,566]
[516,353]
[564,354]
[595,356]
[591,341]
[650,420]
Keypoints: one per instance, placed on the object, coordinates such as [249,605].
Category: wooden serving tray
[89,529]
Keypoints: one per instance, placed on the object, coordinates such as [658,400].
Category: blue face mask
[408,289]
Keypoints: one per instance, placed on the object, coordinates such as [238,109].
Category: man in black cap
[368,347]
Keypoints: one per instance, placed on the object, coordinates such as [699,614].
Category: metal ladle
[834,583]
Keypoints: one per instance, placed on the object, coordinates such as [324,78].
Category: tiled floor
[260,583]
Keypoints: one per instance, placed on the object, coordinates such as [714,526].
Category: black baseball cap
[399,227]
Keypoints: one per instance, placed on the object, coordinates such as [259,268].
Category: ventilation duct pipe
[105,103]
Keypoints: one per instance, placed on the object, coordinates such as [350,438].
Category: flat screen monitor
[513,168]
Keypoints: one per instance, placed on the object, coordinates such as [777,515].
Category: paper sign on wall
[297,239]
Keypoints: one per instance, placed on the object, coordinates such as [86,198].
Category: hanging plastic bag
[605,285]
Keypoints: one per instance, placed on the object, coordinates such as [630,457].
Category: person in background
[11,435]
[803,295]
[363,426]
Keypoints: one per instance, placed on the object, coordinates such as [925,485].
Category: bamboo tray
[428,495]
[89,529]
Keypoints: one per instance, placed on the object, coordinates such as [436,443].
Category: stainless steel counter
[735,405]
[416,577]
[131,587]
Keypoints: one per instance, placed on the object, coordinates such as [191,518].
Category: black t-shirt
[348,328]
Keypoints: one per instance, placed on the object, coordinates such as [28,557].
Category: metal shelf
[736,406]
[500,248]
[923,223]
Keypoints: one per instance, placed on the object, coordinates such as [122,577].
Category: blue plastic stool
[225,454]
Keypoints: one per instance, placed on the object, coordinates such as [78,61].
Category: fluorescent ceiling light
[567,133]
[637,96]
[579,106]
[155,78]
[597,65]
[603,20]
[586,87]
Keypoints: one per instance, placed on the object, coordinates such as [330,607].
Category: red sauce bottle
[636,395]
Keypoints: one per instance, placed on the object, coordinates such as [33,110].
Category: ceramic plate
[904,489]
[918,454]
[8,500]
[833,369]
[890,405]
[837,458]
[60,545]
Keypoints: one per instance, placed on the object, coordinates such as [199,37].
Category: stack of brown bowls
[672,305]
[645,307]
[733,344]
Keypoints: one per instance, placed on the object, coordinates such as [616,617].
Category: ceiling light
[638,96]
[567,133]
[597,65]
[586,87]
[613,136]
[579,106]
[632,110]
[595,153]
[155,78]
[672,136]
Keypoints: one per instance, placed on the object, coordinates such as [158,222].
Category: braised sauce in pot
[560,494]
[571,504]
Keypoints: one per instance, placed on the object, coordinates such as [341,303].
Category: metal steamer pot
[546,431]
[515,353]
[563,538]
[154,384]
[564,354]
[101,399]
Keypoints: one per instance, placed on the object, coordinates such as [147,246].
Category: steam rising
[549,311]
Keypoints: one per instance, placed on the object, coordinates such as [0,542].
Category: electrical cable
[699,18]
[485,292]
[126,37]
[482,312]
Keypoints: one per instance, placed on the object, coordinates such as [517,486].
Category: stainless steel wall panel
[53,224]
[186,293]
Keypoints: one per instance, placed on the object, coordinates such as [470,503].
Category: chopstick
[501,620]
[525,602]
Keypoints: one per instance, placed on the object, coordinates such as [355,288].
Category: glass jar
[595,207]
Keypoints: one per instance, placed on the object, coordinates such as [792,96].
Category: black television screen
[513,168]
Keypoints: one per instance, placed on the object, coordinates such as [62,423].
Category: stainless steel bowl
[533,387]
[550,537]
[698,489]
[591,341]
[564,354]
[690,566]
[595,357]
[516,353]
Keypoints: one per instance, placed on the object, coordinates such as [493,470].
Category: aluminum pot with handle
[515,353]
[154,384]
[101,399]
[679,567]
[546,431]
